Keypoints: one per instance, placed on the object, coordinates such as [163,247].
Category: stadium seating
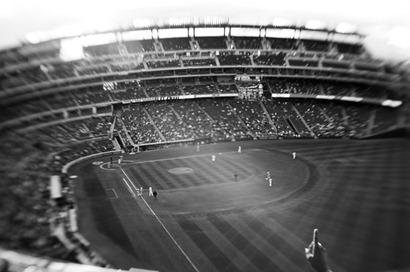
[199,62]
[211,42]
[233,59]
[139,125]
[199,89]
[287,44]
[270,59]
[311,45]
[247,42]
[176,44]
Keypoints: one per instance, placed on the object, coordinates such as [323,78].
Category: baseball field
[222,215]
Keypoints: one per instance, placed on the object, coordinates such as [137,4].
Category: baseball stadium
[204,145]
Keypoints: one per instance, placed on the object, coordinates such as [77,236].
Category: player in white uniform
[316,254]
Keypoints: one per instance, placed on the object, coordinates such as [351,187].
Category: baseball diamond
[356,192]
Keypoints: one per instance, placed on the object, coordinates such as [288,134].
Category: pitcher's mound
[181,170]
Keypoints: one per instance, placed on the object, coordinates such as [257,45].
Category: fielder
[294,155]
[150,191]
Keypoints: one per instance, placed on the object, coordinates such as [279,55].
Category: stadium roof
[385,22]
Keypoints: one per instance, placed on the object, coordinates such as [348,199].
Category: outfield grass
[356,192]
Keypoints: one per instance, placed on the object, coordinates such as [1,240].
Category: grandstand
[182,85]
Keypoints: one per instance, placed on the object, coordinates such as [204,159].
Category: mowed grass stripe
[293,240]
[258,259]
[208,248]
[175,179]
[369,234]
[402,234]
[137,177]
[233,169]
[187,179]
[346,236]
[271,237]
[262,239]
[236,257]
[229,168]
[212,171]
[153,170]
[242,164]
[147,171]
[207,173]
[199,175]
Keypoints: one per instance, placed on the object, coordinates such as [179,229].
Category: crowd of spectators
[314,45]
[195,117]
[226,120]
[168,63]
[228,88]
[347,48]
[247,42]
[284,44]
[27,212]
[199,89]
[157,91]
[253,116]
[139,125]
[198,61]
[176,44]
[277,58]
[385,118]
[169,122]
[321,124]
[234,59]
[211,42]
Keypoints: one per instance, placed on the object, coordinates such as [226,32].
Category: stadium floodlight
[391,103]
[281,33]
[346,28]
[180,21]
[282,22]
[315,25]
[209,31]
[244,32]
[71,49]
[172,33]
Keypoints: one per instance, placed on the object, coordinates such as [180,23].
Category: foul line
[169,234]
[129,188]
[163,226]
